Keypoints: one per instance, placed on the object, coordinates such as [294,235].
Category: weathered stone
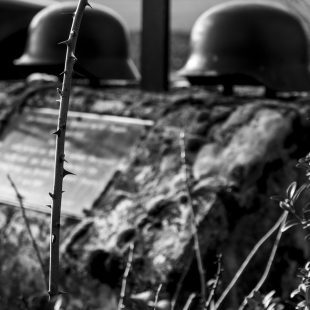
[246,141]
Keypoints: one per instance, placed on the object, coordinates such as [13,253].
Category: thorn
[58,100]
[87,4]
[57,132]
[49,206]
[63,72]
[63,192]
[66,172]
[73,57]
[73,33]
[59,92]
[62,158]
[66,42]
[52,195]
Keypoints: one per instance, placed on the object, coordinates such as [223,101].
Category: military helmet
[102,48]
[15,16]
[249,43]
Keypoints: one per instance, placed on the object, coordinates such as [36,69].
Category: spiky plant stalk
[59,171]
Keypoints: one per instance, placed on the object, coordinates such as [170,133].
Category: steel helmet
[248,43]
[102,48]
[15,16]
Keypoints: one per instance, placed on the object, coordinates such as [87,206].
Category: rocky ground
[240,150]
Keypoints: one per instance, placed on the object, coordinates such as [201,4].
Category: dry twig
[27,223]
[269,263]
[125,276]
[157,294]
[189,301]
[249,257]
[215,283]
[193,219]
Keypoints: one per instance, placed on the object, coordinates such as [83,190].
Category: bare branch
[125,276]
[269,263]
[156,296]
[193,219]
[215,283]
[27,223]
[249,257]
[189,301]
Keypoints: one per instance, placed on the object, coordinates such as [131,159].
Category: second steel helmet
[15,16]
[257,41]
[102,48]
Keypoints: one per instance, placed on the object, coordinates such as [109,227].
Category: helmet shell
[102,48]
[15,17]
[249,42]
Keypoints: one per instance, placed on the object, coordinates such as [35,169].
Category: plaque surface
[95,148]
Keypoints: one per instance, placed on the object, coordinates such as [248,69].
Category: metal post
[155,45]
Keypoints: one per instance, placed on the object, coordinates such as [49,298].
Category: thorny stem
[249,257]
[156,296]
[193,220]
[26,220]
[269,263]
[125,276]
[60,133]
[216,282]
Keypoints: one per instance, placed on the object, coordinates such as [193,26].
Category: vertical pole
[155,45]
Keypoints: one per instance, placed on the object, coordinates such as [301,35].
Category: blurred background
[183,12]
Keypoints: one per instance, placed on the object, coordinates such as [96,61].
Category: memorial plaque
[95,148]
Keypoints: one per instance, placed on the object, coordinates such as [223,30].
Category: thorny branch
[26,220]
[193,219]
[60,133]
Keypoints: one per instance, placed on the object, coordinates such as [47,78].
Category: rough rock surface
[240,151]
